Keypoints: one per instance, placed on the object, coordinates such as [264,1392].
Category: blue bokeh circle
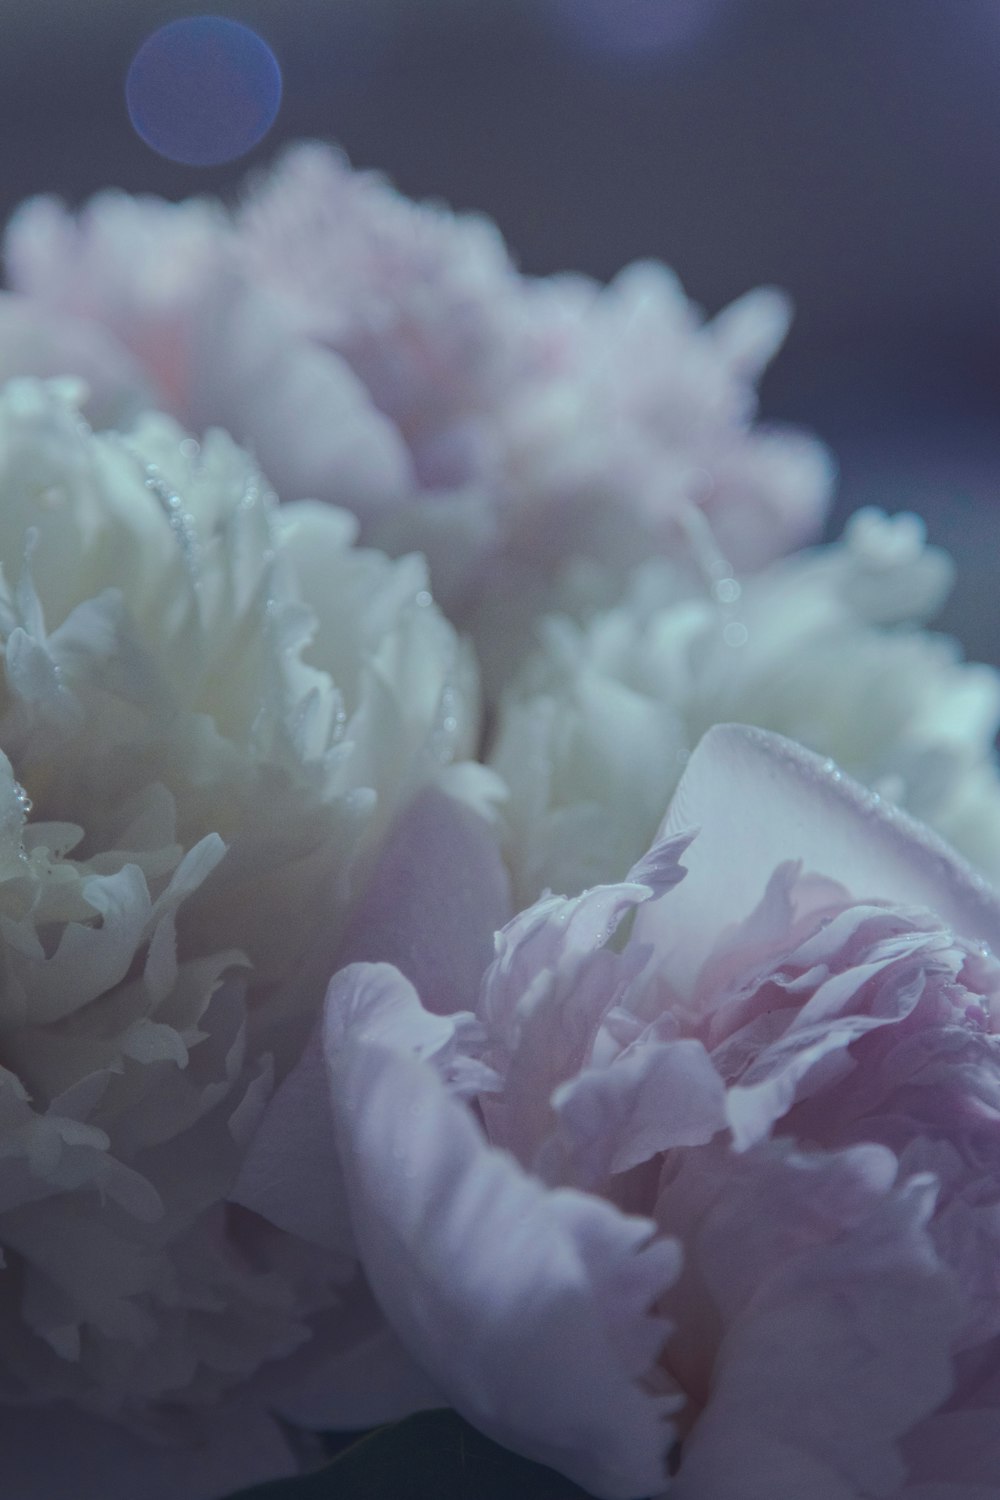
[203,90]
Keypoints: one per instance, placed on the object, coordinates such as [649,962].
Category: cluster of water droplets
[724,588]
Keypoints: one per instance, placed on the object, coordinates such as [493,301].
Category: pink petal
[306,416]
[431,907]
[528,1308]
[36,341]
[751,330]
[655,1096]
[558,936]
[814,1046]
[291,1174]
[550,987]
[770,496]
[837,1322]
[437,896]
[758,800]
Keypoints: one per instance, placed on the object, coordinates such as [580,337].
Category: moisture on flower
[205,738]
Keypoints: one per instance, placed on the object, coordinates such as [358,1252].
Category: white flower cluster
[824,647]
[209,710]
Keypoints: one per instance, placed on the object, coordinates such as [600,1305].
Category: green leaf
[431,1456]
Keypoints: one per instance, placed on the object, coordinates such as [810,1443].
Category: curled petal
[529,1308]
[758,800]
[652,1098]
[545,996]
[559,936]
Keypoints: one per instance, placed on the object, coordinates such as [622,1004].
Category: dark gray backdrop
[848,150]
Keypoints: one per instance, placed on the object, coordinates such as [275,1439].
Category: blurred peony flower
[215,718]
[822,647]
[386,356]
[705,1194]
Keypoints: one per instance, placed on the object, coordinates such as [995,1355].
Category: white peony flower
[210,713]
[822,647]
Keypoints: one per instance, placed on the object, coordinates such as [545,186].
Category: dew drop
[726,590]
[735,633]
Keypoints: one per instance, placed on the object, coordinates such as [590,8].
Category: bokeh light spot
[203,90]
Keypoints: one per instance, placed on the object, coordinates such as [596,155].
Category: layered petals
[530,1309]
[534,438]
[824,647]
[193,792]
[786,1060]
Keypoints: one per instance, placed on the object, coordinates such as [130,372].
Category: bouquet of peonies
[492,921]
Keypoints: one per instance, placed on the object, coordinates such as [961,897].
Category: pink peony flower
[387,357]
[704,1194]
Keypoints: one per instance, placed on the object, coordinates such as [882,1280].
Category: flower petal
[437,896]
[431,907]
[313,428]
[290,1174]
[548,990]
[651,1098]
[758,800]
[529,1308]
[839,1321]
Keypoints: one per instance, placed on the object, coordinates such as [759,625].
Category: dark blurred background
[847,150]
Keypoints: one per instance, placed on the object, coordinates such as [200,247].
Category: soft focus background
[847,150]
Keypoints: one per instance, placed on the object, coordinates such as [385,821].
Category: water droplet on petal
[726,590]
